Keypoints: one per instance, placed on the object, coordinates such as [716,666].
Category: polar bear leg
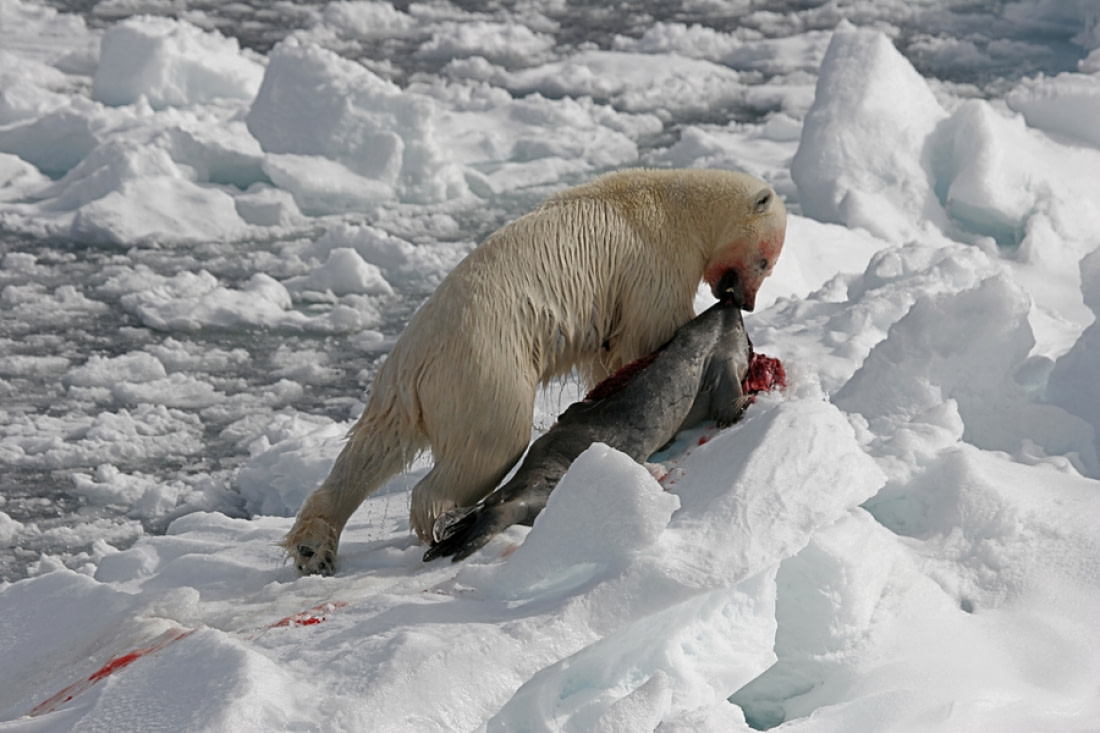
[380,445]
[452,483]
[470,462]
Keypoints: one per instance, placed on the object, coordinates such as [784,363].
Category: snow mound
[343,272]
[101,371]
[192,301]
[147,432]
[1064,106]
[314,103]
[977,175]
[674,88]
[605,510]
[1072,384]
[399,262]
[289,459]
[687,620]
[171,63]
[867,91]
[500,43]
[55,141]
[359,19]
[948,349]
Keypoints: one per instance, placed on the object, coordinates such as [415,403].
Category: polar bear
[593,278]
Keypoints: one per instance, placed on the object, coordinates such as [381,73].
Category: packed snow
[214,222]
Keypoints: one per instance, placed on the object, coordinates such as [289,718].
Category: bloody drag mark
[165,639]
[308,617]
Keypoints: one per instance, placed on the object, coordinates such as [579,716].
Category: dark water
[1009,40]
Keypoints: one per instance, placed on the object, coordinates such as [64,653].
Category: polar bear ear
[763,201]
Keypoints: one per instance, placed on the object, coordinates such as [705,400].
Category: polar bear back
[595,277]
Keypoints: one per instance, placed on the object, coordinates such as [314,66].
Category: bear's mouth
[730,289]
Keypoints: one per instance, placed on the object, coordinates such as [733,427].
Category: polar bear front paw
[310,561]
[311,544]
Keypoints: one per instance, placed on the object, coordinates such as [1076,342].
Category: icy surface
[215,220]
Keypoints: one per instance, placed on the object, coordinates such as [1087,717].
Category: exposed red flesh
[620,378]
[765,374]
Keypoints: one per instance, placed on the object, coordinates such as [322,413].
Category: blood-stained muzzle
[730,288]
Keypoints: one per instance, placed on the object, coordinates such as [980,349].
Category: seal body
[695,376]
[595,277]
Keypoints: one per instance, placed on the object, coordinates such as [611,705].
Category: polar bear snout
[731,289]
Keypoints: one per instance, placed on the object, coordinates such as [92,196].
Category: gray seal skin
[696,376]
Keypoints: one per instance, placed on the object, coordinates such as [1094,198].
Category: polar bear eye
[762,201]
[763,263]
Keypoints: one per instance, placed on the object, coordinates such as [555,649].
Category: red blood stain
[764,374]
[116,664]
[702,439]
[67,694]
[310,616]
[620,378]
[669,479]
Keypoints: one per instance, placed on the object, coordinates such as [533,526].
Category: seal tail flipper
[449,523]
[449,531]
[464,531]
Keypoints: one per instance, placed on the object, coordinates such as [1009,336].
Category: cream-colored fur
[593,278]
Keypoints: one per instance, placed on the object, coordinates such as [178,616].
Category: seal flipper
[447,524]
[728,413]
[462,532]
[450,528]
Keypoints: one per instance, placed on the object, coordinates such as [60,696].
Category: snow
[214,222]
[171,65]
[500,43]
[314,103]
[364,19]
[865,91]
